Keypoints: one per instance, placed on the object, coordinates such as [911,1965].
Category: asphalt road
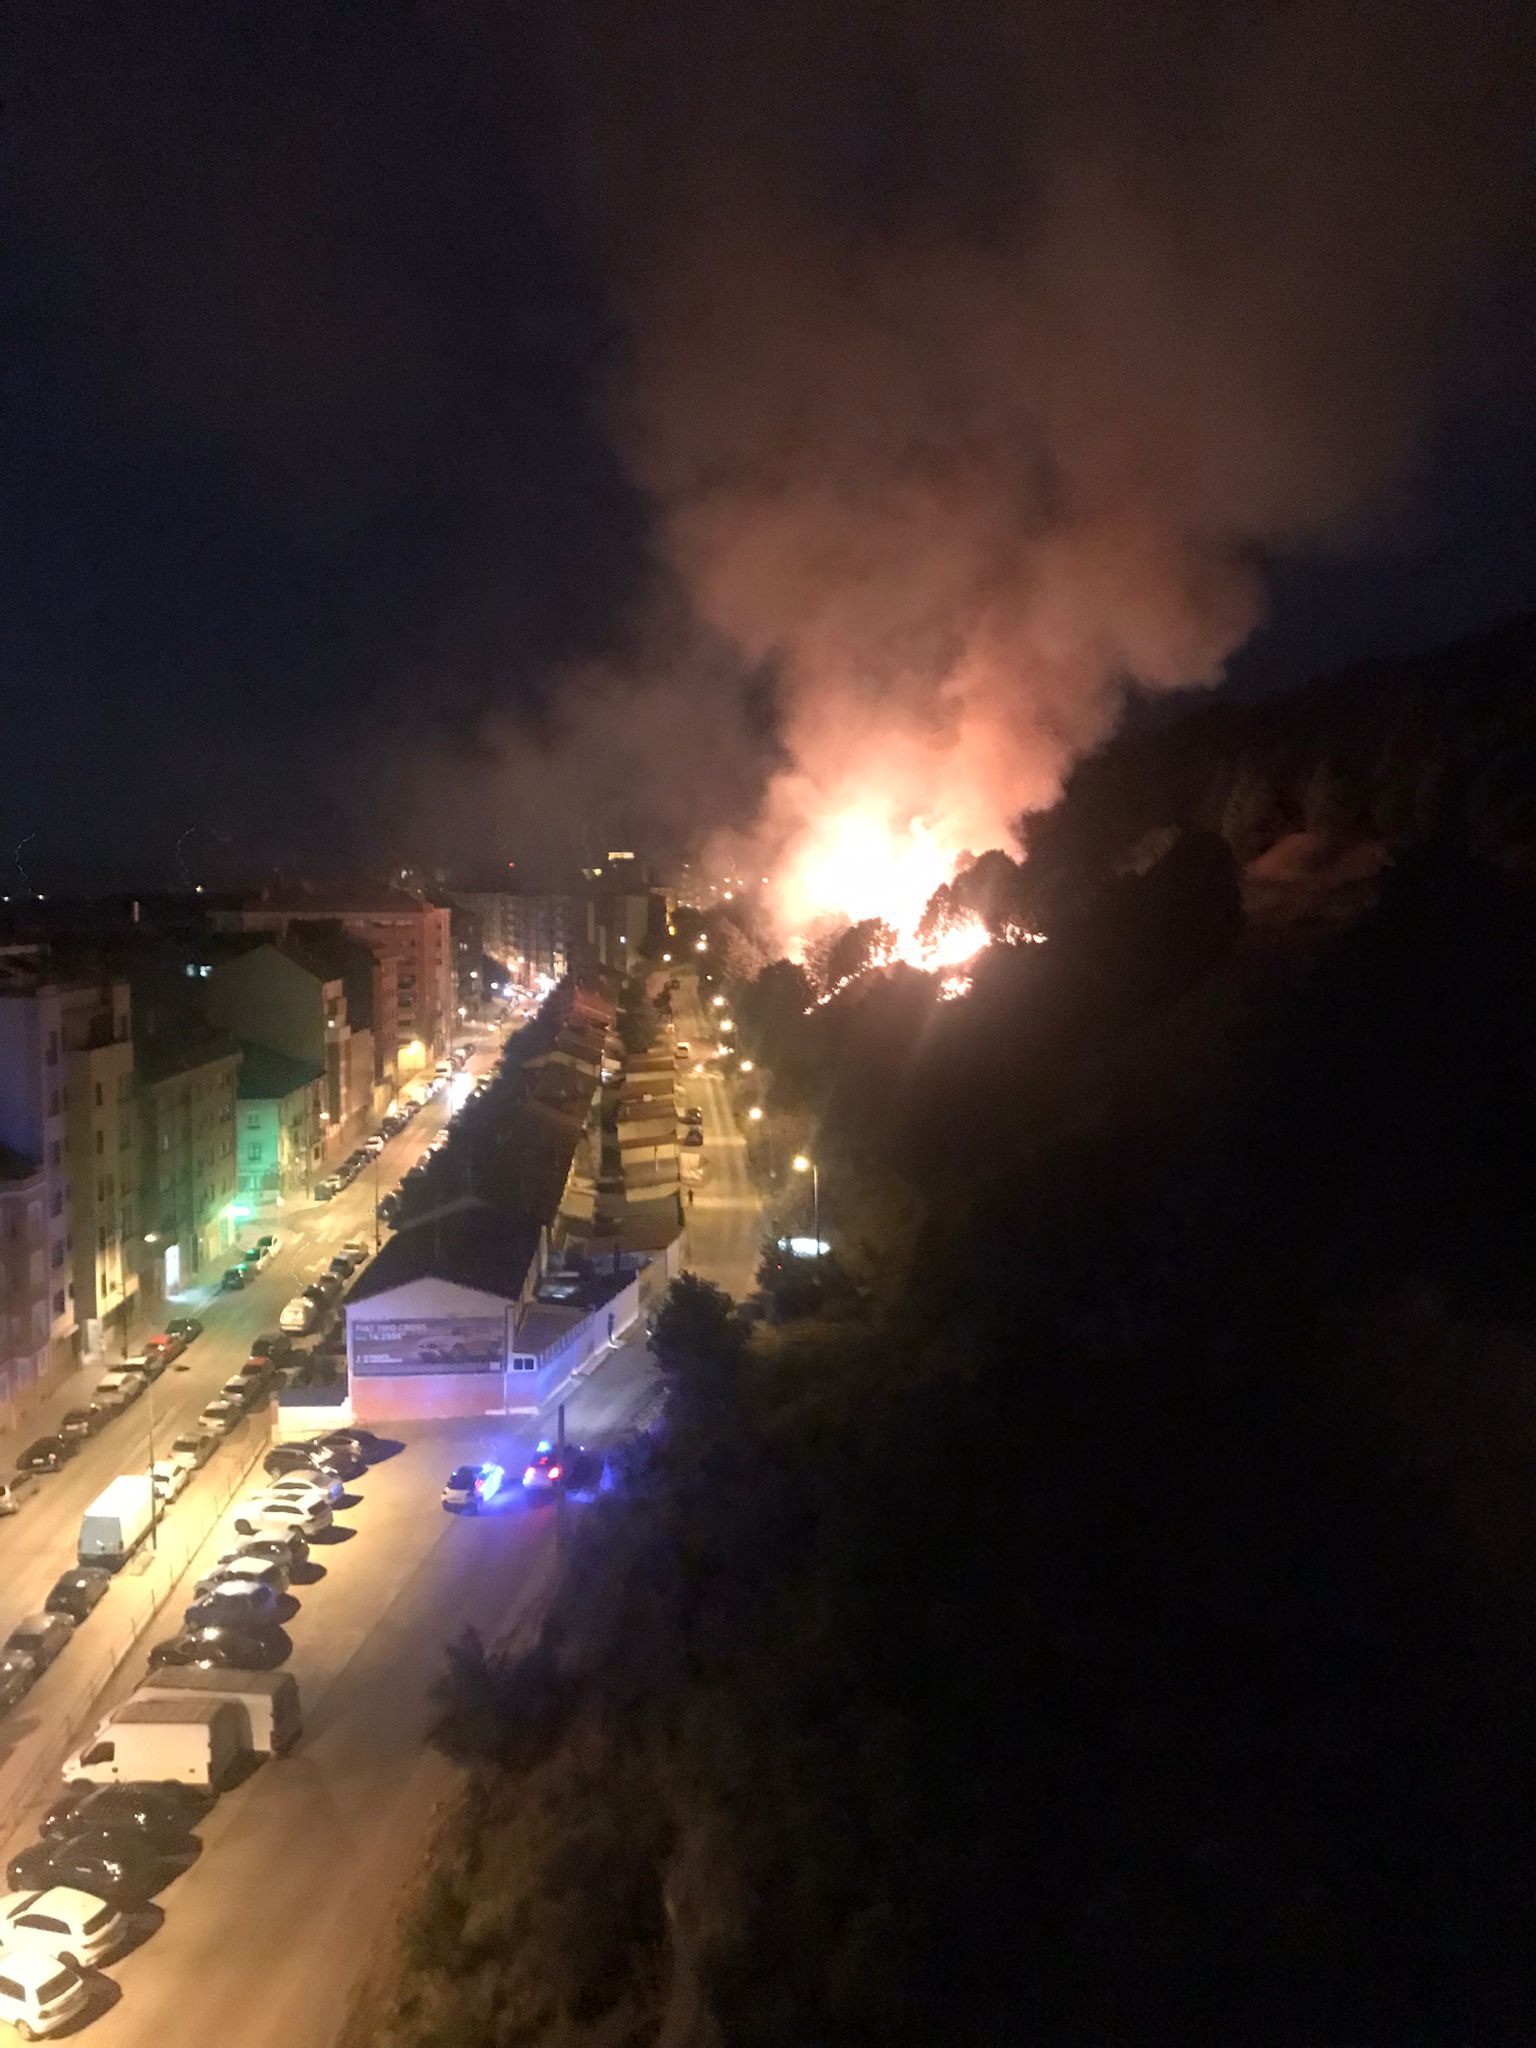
[266,1938]
[38,1543]
[723,1234]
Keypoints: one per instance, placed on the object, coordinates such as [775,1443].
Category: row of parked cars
[114,1391]
[248,1264]
[309,1310]
[328,1189]
[136,1788]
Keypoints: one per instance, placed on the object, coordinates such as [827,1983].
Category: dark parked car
[74,1593]
[290,1549]
[46,1455]
[188,1328]
[223,1649]
[693,1137]
[324,1290]
[234,1278]
[79,1423]
[161,1816]
[362,1442]
[41,1637]
[273,1344]
[342,1267]
[18,1675]
[328,1189]
[693,1116]
[332,1459]
[111,1862]
[388,1209]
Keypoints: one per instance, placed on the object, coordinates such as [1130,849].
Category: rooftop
[169,1053]
[468,1242]
[268,1076]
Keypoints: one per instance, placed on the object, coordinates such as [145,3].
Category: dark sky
[319,382]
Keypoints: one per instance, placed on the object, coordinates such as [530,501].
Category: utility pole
[560,1489]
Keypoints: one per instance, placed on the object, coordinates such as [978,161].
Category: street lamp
[755,1114]
[802,1164]
[727,1024]
[718,1002]
[746,1066]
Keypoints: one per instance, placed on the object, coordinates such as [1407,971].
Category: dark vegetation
[1108,1615]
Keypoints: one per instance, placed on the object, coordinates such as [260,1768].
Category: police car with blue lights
[471,1486]
[551,1471]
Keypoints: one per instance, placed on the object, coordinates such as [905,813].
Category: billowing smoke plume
[979,357]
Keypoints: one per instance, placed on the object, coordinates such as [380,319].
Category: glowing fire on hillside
[859,867]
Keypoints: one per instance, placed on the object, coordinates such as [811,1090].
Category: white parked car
[355,1250]
[72,1926]
[375,1144]
[117,1389]
[38,1994]
[298,1316]
[311,1485]
[221,1417]
[170,1475]
[265,1516]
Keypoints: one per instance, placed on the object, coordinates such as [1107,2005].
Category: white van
[170,1740]
[269,1700]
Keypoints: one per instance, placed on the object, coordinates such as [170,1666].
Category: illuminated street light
[803,1164]
[718,1001]
[701,945]
[746,1066]
[754,1114]
[727,1024]
[666,959]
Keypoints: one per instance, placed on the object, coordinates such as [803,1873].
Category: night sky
[319,381]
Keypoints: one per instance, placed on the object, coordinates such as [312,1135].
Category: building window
[56,1203]
[101,1241]
[58,1304]
[98,1095]
[101,1143]
[57,1256]
[53,1103]
[54,1154]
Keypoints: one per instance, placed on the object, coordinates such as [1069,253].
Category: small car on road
[221,1648]
[268,1517]
[41,1637]
[39,1995]
[470,1487]
[194,1449]
[234,1603]
[550,1471]
[111,1862]
[47,1454]
[79,1423]
[18,1675]
[75,1593]
[115,1390]
[71,1926]
[221,1416]
[188,1328]
[164,1814]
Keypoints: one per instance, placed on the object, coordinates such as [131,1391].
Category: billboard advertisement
[440,1344]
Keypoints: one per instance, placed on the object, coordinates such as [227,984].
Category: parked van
[117,1521]
[268,1699]
[166,1740]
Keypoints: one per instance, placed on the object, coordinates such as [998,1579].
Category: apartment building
[277,995]
[390,921]
[280,1118]
[187,1166]
[24,1289]
[67,1102]
[103,1153]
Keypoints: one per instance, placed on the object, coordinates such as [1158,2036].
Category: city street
[39,1542]
[723,1236]
[267,1937]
